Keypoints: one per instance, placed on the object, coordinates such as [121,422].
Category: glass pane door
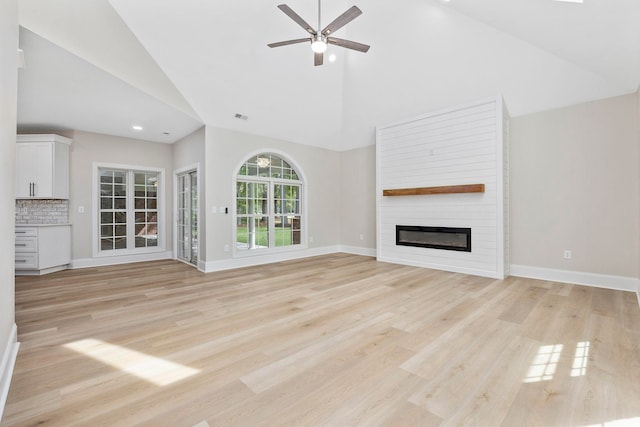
[188,217]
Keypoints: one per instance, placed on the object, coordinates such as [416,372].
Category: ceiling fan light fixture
[319,45]
[320,39]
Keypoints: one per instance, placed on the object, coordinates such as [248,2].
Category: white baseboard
[41,272]
[357,250]
[6,367]
[249,261]
[115,260]
[620,283]
[450,268]
[220,265]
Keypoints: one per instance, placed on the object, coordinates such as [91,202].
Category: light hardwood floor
[337,340]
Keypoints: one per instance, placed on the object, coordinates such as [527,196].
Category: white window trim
[302,180]
[162,238]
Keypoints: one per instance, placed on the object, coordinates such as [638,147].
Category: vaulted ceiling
[178,64]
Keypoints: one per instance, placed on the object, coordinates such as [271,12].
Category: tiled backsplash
[42,211]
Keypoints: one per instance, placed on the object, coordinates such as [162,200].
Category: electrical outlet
[362,237]
[214,209]
[567,254]
[310,239]
[80,209]
[226,248]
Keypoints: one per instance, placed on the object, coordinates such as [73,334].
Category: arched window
[268,204]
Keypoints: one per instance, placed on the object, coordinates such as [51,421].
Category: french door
[188,217]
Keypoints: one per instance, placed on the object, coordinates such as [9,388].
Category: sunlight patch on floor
[580,360]
[544,364]
[149,368]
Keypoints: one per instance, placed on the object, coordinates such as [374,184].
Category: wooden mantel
[448,189]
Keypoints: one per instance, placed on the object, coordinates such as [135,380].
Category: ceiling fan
[320,39]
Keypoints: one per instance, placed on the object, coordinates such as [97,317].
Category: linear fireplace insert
[447,238]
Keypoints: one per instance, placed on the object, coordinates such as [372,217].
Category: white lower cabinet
[42,249]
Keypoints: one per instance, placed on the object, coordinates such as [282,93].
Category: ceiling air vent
[241,116]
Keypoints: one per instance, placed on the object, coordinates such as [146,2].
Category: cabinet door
[34,170]
[25,170]
[43,160]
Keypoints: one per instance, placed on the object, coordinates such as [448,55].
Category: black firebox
[447,238]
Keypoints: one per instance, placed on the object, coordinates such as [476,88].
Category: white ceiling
[59,91]
[207,60]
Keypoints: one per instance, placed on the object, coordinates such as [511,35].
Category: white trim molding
[443,267]
[356,250]
[607,281]
[6,366]
[116,260]
[228,264]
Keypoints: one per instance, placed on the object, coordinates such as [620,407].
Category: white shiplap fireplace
[447,169]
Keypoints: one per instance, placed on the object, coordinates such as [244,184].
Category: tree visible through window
[128,209]
[268,204]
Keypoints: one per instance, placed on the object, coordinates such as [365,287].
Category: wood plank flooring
[337,340]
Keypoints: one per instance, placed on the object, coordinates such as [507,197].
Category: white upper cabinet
[42,166]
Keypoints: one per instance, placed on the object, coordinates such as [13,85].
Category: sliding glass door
[188,217]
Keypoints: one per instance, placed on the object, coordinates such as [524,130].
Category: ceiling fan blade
[342,20]
[318,58]
[360,47]
[291,14]
[288,42]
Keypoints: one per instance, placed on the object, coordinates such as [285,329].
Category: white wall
[186,152]
[88,148]
[358,200]
[227,150]
[8,99]
[575,186]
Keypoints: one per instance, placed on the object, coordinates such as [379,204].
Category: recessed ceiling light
[136,127]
